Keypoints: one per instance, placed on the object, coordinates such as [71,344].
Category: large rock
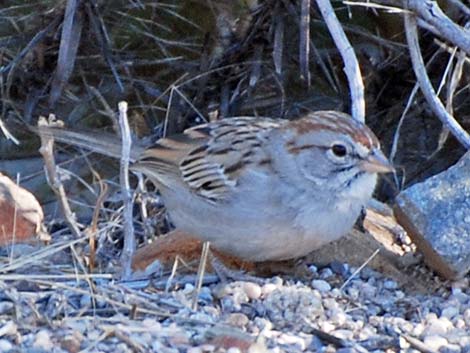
[21,214]
[436,215]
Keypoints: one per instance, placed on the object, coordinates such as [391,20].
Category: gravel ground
[370,314]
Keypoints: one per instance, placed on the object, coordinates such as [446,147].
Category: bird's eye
[339,150]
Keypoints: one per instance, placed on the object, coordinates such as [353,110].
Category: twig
[36,257]
[425,84]
[69,42]
[351,65]
[359,269]
[142,191]
[200,273]
[8,134]
[93,228]
[409,103]
[453,83]
[47,152]
[304,41]
[431,12]
[129,240]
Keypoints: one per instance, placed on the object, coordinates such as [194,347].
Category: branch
[129,240]
[53,179]
[425,84]
[431,12]
[351,65]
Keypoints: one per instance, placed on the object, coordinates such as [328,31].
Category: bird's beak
[376,162]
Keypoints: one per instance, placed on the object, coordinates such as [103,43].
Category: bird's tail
[103,143]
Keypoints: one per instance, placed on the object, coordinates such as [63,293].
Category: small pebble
[71,343]
[5,345]
[43,340]
[268,288]
[450,312]
[438,327]
[326,273]
[188,288]
[6,307]
[435,342]
[237,320]
[205,295]
[252,290]
[321,285]
[313,269]
[389,284]
[9,329]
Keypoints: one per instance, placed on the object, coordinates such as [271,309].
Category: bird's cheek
[314,169]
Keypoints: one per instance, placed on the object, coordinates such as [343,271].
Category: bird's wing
[208,159]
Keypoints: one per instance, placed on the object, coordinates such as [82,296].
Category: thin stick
[425,84]
[431,13]
[351,64]
[200,273]
[129,240]
[359,269]
[54,181]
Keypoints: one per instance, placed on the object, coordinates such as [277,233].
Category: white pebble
[9,329]
[152,324]
[327,326]
[188,288]
[321,285]
[330,303]
[459,323]
[43,340]
[338,317]
[313,269]
[268,288]
[5,345]
[435,342]
[252,290]
[390,284]
[438,327]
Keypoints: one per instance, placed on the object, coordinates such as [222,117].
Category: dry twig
[351,64]
[53,179]
[129,240]
[425,83]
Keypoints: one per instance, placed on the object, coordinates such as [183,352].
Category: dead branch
[53,179]
[425,83]
[129,240]
[351,64]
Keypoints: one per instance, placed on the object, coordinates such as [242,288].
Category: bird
[258,188]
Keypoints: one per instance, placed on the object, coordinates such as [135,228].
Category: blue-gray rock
[436,215]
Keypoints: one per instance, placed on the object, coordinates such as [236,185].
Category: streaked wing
[209,158]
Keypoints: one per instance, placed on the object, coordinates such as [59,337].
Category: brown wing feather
[209,158]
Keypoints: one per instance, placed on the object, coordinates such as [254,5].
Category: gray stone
[321,285]
[436,215]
